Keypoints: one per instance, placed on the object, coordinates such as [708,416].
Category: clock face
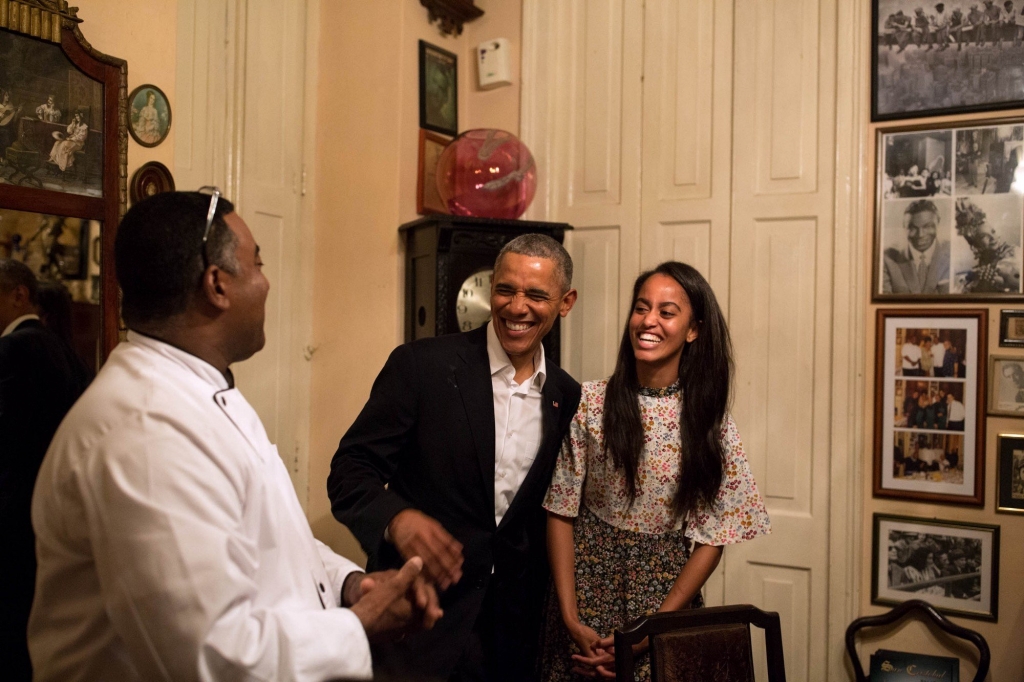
[473,302]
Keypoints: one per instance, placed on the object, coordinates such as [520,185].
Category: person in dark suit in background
[40,378]
[464,431]
[922,265]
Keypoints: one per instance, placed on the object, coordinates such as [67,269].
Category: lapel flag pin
[554,403]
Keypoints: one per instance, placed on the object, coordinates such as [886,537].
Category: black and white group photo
[947,57]
[950,212]
[927,563]
[952,565]
[918,165]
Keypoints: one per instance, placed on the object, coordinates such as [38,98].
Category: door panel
[241,68]
[780,309]
[270,178]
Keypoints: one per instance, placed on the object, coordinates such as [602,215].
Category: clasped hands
[597,654]
[393,602]
[396,602]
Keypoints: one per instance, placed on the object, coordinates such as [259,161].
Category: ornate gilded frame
[55,22]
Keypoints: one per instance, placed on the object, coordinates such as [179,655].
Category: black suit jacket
[427,431]
[40,379]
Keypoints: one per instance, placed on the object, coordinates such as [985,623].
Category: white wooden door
[731,107]
[241,65]
[780,309]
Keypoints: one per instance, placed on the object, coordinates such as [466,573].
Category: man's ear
[215,287]
[568,301]
[21,296]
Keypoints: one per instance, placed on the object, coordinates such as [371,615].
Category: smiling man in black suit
[40,378]
[464,430]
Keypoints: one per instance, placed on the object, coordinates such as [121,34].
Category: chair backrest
[897,613]
[701,644]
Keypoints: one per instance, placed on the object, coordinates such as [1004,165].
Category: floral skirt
[620,576]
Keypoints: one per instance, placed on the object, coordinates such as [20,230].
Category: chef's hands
[391,603]
[413,533]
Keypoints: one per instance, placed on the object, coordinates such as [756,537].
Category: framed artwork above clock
[449,262]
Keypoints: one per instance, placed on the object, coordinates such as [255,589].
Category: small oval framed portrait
[150,179]
[149,115]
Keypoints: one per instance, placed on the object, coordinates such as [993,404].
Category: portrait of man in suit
[463,430]
[920,265]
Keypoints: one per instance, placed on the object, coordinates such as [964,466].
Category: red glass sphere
[486,173]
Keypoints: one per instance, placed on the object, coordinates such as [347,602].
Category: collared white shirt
[518,422]
[171,544]
[957,412]
[14,325]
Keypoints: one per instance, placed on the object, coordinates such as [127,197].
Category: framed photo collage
[948,238]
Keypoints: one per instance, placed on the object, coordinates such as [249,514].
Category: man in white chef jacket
[171,544]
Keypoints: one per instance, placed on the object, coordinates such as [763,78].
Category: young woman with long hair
[652,480]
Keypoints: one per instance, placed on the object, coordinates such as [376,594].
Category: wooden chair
[915,605]
[701,644]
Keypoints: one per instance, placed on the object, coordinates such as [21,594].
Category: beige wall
[367,141]
[1003,637]
[145,37]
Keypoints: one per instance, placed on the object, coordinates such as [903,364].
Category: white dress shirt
[14,325]
[518,422]
[171,544]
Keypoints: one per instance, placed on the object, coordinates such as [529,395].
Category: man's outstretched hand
[413,533]
[392,603]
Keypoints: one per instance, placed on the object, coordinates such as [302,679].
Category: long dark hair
[705,377]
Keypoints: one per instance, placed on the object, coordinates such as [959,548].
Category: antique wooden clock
[449,262]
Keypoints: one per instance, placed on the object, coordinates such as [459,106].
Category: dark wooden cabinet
[442,254]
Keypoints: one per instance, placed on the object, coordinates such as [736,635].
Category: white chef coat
[171,544]
[518,421]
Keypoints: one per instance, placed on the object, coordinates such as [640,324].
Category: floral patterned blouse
[585,471]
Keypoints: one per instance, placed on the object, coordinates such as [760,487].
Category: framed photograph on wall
[929,436]
[150,115]
[953,566]
[1010,473]
[1006,386]
[439,90]
[932,59]
[428,199]
[949,213]
[1011,328]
